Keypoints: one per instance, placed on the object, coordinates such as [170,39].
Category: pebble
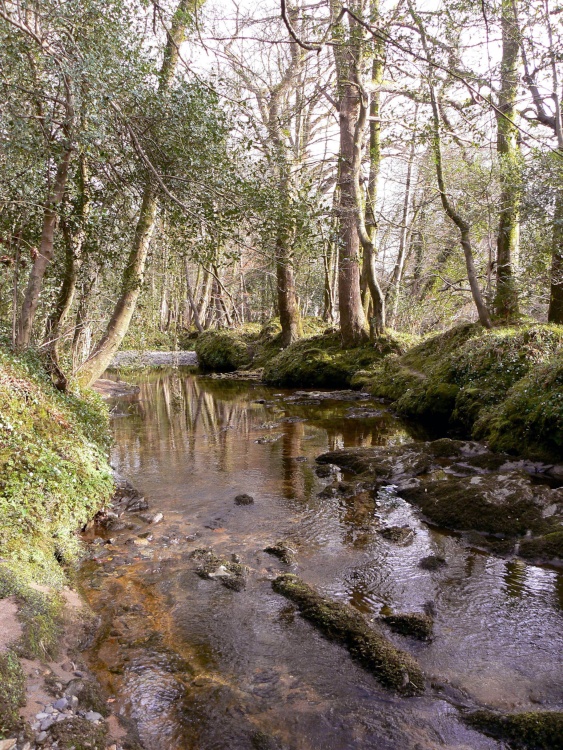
[41,737]
[47,724]
[61,704]
[93,716]
[7,744]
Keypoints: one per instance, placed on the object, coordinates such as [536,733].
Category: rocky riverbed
[201,648]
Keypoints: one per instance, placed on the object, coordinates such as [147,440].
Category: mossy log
[395,669]
[534,730]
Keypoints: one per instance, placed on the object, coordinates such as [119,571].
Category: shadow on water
[196,665]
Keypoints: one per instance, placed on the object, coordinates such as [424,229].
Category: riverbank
[503,386]
[55,477]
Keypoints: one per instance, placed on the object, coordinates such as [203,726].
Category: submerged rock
[244,499]
[415,624]
[231,574]
[394,668]
[432,562]
[397,534]
[461,486]
[282,551]
[127,498]
[533,730]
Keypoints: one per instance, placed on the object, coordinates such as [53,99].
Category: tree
[119,322]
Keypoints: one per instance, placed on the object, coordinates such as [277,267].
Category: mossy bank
[504,386]
[54,477]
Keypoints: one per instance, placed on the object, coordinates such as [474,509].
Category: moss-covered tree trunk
[506,297]
[45,252]
[74,236]
[133,275]
[555,312]
[347,48]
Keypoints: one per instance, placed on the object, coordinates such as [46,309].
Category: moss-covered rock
[12,692]
[394,668]
[547,547]
[249,345]
[79,734]
[416,624]
[231,574]
[225,350]
[535,730]
[530,417]
[282,551]
[322,362]
[495,504]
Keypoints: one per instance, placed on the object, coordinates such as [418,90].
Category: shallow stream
[195,665]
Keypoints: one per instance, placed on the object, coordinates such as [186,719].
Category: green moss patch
[505,384]
[535,730]
[415,624]
[12,692]
[394,668]
[54,473]
[322,362]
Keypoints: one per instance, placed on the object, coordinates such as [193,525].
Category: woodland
[322,243]
[379,166]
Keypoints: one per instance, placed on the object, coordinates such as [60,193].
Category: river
[195,665]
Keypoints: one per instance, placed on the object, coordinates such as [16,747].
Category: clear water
[198,666]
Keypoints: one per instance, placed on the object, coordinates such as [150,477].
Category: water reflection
[244,662]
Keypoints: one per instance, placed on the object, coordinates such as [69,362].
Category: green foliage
[54,473]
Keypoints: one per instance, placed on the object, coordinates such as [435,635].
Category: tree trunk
[74,242]
[191,300]
[555,313]
[133,275]
[45,253]
[288,304]
[506,297]
[394,288]
[375,306]
[449,209]
[79,351]
[352,318]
